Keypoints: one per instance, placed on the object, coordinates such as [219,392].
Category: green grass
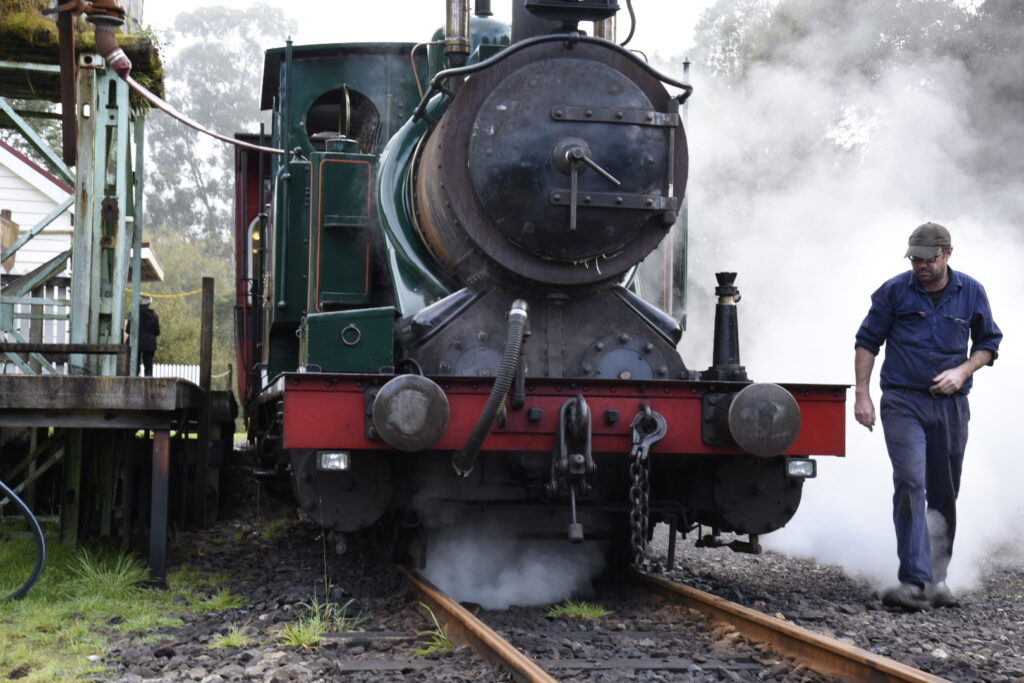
[83,598]
[578,609]
[284,519]
[220,601]
[318,618]
[237,636]
[437,640]
[304,633]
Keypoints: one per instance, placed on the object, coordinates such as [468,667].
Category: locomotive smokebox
[565,165]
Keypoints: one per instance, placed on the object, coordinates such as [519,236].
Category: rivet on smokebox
[410,413]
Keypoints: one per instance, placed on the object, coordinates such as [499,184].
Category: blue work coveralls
[926,435]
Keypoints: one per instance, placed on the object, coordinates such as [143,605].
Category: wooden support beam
[35,331]
[71,494]
[205,370]
[158,508]
[128,490]
[104,471]
[36,472]
[45,449]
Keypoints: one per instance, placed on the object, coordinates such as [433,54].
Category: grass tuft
[319,618]
[81,599]
[94,575]
[578,609]
[237,636]
[220,601]
[437,640]
[279,525]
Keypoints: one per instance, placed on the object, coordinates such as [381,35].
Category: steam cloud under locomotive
[439,302]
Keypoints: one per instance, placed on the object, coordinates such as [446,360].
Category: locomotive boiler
[441,295]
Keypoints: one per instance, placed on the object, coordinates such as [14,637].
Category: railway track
[830,658]
[277,577]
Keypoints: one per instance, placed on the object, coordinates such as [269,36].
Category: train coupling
[572,463]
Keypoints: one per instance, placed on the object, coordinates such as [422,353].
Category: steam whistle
[726,358]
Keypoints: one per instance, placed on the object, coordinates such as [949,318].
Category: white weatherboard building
[30,193]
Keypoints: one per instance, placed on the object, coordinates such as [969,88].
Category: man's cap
[927,240]
[145,300]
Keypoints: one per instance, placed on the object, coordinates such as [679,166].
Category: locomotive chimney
[605,29]
[726,358]
[456,32]
[526,24]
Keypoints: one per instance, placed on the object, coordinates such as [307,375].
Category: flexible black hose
[37,531]
[464,459]
[632,23]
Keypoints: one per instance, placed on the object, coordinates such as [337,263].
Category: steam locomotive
[441,308]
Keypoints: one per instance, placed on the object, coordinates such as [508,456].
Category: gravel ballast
[978,641]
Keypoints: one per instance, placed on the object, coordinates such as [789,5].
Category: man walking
[927,315]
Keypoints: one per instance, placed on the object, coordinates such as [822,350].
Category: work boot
[939,595]
[906,595]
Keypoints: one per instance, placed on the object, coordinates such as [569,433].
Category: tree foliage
[186,262]
[845,49]
[47,128]
[847,38]
[213,76]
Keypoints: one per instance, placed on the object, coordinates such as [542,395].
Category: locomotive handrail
[572,37]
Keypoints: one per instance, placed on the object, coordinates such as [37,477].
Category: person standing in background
[149,330]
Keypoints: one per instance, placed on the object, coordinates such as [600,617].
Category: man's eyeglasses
[916,259]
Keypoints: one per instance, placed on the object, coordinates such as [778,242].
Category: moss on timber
[26,35]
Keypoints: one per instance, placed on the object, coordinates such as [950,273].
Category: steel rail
[464,628]
[820,653]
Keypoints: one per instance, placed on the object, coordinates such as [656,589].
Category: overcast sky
[664,26]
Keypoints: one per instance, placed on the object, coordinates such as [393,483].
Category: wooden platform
[105,402]
[96,428]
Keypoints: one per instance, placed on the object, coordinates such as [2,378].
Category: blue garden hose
[37,531]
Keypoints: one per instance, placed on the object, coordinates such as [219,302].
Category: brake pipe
[464,459]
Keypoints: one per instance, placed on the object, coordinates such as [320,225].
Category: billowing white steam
[483,563]
[813,225]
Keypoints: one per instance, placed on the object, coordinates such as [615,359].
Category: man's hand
[948,382]
[863,407]
[864,411]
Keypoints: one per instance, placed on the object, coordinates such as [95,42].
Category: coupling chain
[649,427]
